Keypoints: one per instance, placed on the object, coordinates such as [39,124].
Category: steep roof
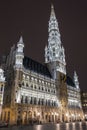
[42,69]
[69,81]
[36,66]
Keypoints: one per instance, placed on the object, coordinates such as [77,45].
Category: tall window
[21,99]
[53,51]
[26,99]
[35,101]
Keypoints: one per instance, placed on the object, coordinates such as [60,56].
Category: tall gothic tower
[55,60]
[54,52]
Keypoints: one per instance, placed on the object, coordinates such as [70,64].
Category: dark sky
[29,18]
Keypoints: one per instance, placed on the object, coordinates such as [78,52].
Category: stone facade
[40,93]
[84,103]
[2,85]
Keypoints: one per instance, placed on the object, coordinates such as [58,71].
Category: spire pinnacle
[21,40]
[75,74]
[52,10]
[46,47]
[52,7]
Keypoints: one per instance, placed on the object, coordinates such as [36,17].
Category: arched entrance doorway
[24,117]
[29,117]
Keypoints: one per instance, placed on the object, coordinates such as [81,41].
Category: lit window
[27,84]
[32,78]
[35,87]
[35,79]
[39,81]
[48,83]
[27,77]
[23,76]
[43,82]
[22,83]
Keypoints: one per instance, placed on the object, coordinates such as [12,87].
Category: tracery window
[31,85]
[22,83]
[39,87]
[27,85]
[35,87]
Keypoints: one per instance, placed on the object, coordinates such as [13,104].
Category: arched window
[39,101]
[39,87]
[26,99]
[42,89]
[48,90]
[22,83]
[23,77]
[27,85]
[54,91]
[35,101]
[42,102]
[32,86]
[52,103]
[46,103]
[31,100]
[21,99]
[35,87]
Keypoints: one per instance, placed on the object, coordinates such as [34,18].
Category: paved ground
[62,126]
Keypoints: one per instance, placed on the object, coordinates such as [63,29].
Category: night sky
[29,18]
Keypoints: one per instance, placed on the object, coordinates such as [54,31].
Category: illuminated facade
[36,92]
[74,98]
[84,103]
[2,85]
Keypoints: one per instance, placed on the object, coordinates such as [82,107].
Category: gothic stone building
[36,92]
[84,103]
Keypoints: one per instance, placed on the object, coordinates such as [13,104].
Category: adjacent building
[84,103]
[40,92]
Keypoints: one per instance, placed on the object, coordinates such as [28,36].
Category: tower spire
[52,10]
[55,52]
[21,40]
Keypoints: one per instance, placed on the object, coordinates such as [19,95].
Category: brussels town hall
[36,92]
